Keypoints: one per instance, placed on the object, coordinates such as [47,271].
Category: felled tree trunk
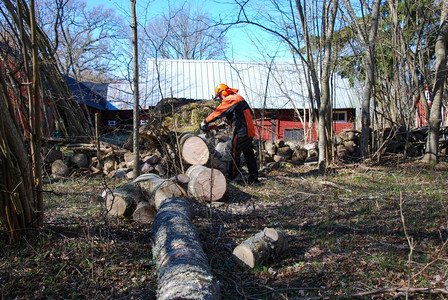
[182,267]
[260,247]
[194,150]
[156,189]
[206,184]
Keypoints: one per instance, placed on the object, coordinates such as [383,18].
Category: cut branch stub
[206,184]
[182,266]
[260,247]
[194,150]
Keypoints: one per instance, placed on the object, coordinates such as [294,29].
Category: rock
[146,168]
[270,148]
[53,155]
[280,143]
[109,165]
[278,158]
[121,173]
[59,168]
[299,155]
[285,151]
[160,170]
[311,146]
[153,159]
[223,148]
[129,160]
[80,160]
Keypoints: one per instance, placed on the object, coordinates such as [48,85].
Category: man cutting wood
[239,115]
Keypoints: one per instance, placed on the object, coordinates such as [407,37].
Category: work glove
[203,125]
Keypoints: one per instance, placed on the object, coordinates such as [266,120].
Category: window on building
[293,135]
[111,123]
[340,116]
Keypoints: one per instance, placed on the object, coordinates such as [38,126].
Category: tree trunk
[206,184]
[156,189]
[136,118]
[432,145]
[194,150]
[260,247]
[182,266]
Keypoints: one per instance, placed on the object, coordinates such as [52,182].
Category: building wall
[284,125]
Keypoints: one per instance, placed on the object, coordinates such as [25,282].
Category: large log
[206,184]
[194,149]
[182,266]
[156,189]
[122,201]
[260,247]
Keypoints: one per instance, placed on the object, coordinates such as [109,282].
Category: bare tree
[367,41]
[184,33]
[311,41]
[136,117]
[83,39]
[441,47]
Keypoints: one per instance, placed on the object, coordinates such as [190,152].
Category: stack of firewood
[346,144]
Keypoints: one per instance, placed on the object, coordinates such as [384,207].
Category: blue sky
[240,45]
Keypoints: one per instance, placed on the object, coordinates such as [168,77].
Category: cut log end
[115,205]
[206,184]
[260,247]
[195,151]
[244,256]
[144,213]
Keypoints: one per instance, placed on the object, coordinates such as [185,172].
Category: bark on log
[206,184]
[156,189]
[182,266]
[260,247]
[194,150]
[123,201]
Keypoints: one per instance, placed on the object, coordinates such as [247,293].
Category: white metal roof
[196,79]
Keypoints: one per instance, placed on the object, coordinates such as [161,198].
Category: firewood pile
[347,143]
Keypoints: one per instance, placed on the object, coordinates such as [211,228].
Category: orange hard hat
[224,90]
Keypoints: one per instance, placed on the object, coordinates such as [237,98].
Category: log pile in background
[261,247]
[347,143]
[182,266]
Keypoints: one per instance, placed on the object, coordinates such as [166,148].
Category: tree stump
[182,266]
[260,247]
[206,184]
[194,149]
[156,189]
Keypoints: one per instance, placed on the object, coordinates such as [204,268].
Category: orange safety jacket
[237,112]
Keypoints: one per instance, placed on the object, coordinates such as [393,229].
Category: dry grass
[345,232]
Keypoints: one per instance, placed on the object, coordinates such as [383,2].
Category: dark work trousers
[244,145]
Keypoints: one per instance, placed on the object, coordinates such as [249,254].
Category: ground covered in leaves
[360,231]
